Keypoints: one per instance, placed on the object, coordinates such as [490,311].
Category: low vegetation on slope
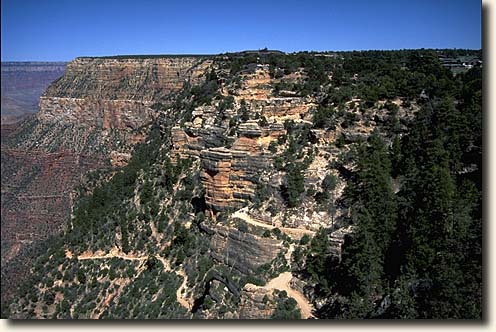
[358,172]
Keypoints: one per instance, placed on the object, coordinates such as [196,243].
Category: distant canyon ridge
[22,85]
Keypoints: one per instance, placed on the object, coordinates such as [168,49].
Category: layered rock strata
[89,118]
[256,303]
[244,252]
[125,78]
[230,176]
[105,104]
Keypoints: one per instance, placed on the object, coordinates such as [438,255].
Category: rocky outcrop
[337,238]
[230,176]
[204,131]
[94,114]
[234,154]
[256,84]
[217,164]
[105,104]
[256,303]
[284,107]
[119,159]
[87,125]
[89,111]
[230,173]
[142,79]
[244,252]
[258,92]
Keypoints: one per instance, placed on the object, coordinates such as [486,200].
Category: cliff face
[242,251]
[228,190]
[235,156]
[103,104]
[90,118]
[125,79]
[231,175]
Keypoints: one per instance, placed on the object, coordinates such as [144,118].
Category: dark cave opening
[211,172]
[199,204]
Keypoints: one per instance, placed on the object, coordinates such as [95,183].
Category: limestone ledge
[131,78]
[115,114]
[242,251]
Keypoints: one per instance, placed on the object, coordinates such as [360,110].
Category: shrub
[295,185]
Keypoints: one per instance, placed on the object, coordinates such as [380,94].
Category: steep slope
[262,190]
[89,119]
[103,104]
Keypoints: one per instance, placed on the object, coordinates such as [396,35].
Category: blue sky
[60,30]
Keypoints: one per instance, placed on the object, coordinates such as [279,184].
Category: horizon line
[156,55]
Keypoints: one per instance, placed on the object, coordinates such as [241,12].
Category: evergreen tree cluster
[417,253]
[414,199]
